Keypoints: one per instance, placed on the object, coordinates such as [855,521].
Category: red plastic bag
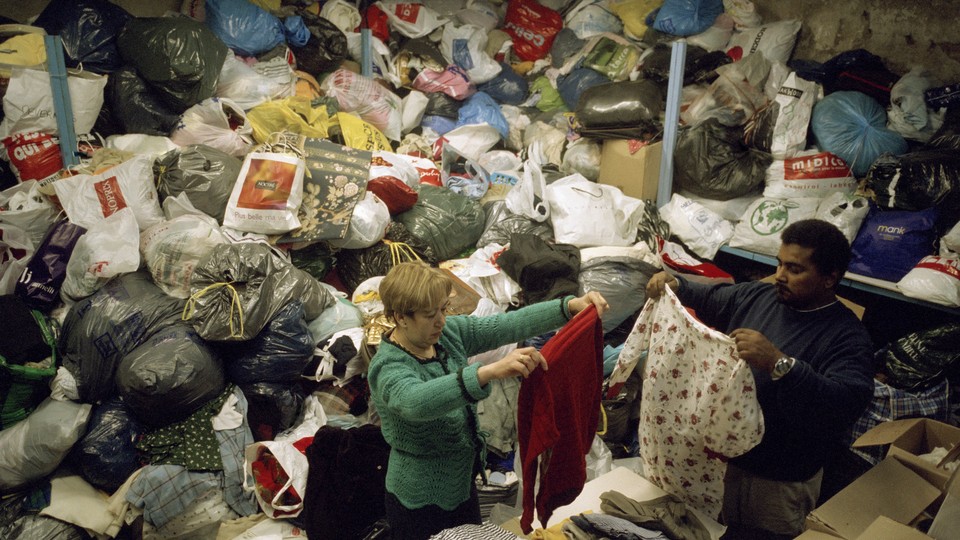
[34,156]
[398,196]
[532,27]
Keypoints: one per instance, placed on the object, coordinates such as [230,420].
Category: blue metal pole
[671,121]
[62,107]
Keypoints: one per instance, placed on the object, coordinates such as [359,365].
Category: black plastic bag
[107,455]
[354,266]
[179,57]
[205,174]
[711,161]
[134,107]
[917,180]
[948,136]
[170,376]
[922,359]
[576,83]
[626,104]
[315,259]
[236,289]
[101,329]
[88,29]
[446,220]
[699,65]
[325,50]
[440,104]
[272,407]
[277,354]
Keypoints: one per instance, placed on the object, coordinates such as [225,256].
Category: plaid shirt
[891,403]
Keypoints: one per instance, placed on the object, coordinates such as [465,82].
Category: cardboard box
[890,489]
[914,437]
[884,528]
[636,173]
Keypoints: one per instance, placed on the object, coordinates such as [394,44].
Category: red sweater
[557,415]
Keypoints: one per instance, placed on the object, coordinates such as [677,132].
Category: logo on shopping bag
[771,217]
[110,196]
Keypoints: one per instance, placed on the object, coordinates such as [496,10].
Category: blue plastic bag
[277,354]
[574,84]
[891,242]
[687,17]
[507,87]
[244,27]
[853,126]
[107,455]
[480,108]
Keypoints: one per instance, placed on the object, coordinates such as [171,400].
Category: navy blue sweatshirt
[808,410]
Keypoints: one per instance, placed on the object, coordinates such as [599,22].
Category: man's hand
[756,349]
[593,297]
[520,362]
[658,284]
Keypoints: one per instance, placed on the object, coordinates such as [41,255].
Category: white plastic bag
[701,229]
[412,19]
[908,114]
[295,466]
[368,99]
[173,248]
[585,214]
[846,211]
[89,199]
[367,224]
[950,243]
[470,141]
[412,107]
[794,101]
[342,14]
[209,123]
[109,248]
[247,87]
[140,143]
[16,250]
[481,272]
[809,174]
[527,197]
[759,230]
[465,46]
[28,102]
[24,207]
[774,40]
[267,195]
[934,279]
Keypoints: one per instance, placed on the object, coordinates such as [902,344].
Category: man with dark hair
[811,359]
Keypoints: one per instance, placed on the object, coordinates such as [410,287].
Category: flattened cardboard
[816,535]
[884,528]
[913,437]
[889,489]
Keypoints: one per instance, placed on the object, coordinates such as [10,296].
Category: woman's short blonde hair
[413,286]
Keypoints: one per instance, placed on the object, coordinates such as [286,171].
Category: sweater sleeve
[481,334]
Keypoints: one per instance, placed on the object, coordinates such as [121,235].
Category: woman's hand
[658,284]
[593,297]
[520,362]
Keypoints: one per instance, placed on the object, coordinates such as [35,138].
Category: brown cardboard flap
[816,535]
[886,432]
[888,489]
[884,528]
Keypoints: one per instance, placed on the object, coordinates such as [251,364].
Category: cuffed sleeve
[470,383]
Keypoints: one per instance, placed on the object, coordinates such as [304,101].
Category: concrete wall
[905,33]
[902,32]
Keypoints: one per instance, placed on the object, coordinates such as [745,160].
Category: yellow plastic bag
[633,13]
[22,50]
[360,134]
[294,114]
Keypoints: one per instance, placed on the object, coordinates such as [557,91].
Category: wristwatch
[782,367]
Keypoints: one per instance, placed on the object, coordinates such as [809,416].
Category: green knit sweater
[428,408]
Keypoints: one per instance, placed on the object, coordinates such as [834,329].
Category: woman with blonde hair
[426,392]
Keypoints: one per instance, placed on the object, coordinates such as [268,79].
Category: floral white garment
[698,404]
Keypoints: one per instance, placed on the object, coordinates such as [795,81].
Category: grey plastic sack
[447,221]
[205,174]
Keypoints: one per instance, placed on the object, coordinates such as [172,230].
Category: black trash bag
[508,87]
[277,355]
[543,271]
[316,259]
[237,289]
[510,224]
[272,407]
[326,48]
[101,329]
[699,65]
[440,104]
[205,174]
[948,136]
[170,376]
[33,526]
[446,220]
[134,107]
[107,455]
[179,57]
[576,83]
[712,161]
[861,71]
[922,359]
[354,266]
[88,29]
[625,105]
[565,45]
[917,181]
